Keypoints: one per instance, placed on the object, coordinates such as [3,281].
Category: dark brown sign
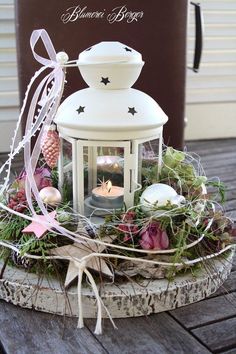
[156,28]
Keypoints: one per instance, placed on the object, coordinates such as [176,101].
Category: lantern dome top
[110,115]
[110,109]
[110,65]
[109,53]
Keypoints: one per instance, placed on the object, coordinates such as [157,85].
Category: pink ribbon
[47,95]
[43,35]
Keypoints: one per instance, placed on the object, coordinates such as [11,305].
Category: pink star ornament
[38,226]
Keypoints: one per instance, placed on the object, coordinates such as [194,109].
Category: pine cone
[20,261]
[90,231]
[51,147]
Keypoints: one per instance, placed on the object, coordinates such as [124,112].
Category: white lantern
[109,127]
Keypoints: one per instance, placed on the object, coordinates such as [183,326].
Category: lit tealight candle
[108,196]
[109,186]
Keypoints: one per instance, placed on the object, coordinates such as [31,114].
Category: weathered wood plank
[230,184]
[223,172]
[155,334]
[212,154]
[234,264]
[231,195]
[218,162]
[231,214]
[211,170]
[225,157]
[228,286]
[227,179]
[230,351]
[208,146]
[222,166]
[218,336]
[230,205]
[215,157]
[27,332]
[207,311]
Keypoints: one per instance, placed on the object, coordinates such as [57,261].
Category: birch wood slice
[122,300]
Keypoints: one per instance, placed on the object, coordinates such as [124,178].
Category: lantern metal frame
[109,113]
[131,165]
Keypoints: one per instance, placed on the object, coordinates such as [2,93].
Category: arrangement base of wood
[126,299]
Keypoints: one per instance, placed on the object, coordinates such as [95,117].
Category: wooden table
[208,326]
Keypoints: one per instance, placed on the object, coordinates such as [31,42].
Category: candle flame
[109,186]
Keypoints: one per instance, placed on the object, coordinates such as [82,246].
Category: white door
[9,102]
[211,93]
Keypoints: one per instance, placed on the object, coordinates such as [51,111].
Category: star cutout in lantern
[80,250]
[80,109]
[86,50]
[105,80]
[132,110]
[128,49]
[38,227]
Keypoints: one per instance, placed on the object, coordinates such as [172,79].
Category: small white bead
[62,58]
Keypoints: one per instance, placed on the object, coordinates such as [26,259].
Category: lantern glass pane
[102,163]
[110,165]
[67,191]
[148,162]
[103,174]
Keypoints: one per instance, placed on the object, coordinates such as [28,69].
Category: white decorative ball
[62,58]
[159,194]
[50,195]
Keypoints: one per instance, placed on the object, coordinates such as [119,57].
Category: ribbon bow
[47,95]
[43,35]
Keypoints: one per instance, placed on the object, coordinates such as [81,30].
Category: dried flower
[129,216]
[153,237]
[129,231]
[42,178]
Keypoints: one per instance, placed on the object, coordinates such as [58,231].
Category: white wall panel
[8,69]
[7,12]
[9,99]
[211,120]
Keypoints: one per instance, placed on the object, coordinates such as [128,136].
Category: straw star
[80,250]
[38,227]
